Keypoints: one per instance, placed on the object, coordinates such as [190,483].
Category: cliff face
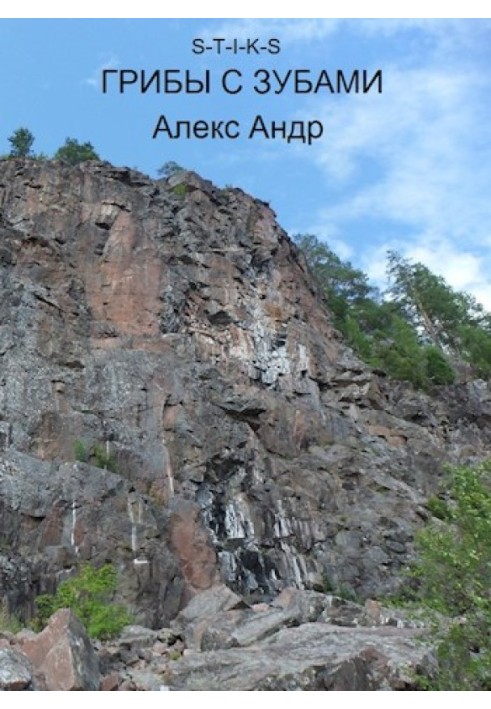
[169,331]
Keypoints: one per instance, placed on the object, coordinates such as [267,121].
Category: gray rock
[15,670]
[208,603]
[311,657]
[176,341]
[195,619]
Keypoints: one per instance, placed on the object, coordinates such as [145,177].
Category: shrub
[438,368]
[102,458]
[88,595]
[80,451]
[96,455]
[453,573]
[340,590]
[438,508]
[73,152]
[179,190]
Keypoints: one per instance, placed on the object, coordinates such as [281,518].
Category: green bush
[438,508]
[80,451]
[101,458]
[95,454]
[453,574]
[73,152]
[438,368]
[179,190]
[340,590]
[88,595]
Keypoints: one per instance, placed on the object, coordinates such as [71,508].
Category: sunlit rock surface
[172,340]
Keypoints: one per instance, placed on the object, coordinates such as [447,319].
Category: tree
[169,168]
[21,141]
[421,330]
[88,595]
[453,573]
[342,284]
[452,321]
[73,152]
[386,335]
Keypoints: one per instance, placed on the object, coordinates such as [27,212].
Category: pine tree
[21,141]
[452,321]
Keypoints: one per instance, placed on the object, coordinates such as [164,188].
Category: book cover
[244,281]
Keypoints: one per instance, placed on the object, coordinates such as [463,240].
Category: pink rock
[63,655]
[110,682]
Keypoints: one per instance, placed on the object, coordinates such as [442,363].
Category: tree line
[420,329]
[71,152]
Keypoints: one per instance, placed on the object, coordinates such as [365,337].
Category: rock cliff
[167,334]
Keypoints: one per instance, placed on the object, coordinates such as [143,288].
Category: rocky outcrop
[304,641]
[15,670]
[167,334]
[63,655]
[60,658]
[311,657]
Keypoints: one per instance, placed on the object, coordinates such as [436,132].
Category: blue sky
[409,169]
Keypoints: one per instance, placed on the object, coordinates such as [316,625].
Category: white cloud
[95,78]
[411,167]
[462,269]
[417,160]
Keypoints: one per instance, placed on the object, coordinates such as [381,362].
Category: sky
[408,169]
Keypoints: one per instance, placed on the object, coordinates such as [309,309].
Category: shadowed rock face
[179,338]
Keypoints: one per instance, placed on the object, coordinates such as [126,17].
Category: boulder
[63,654]
[15,670]
[310,657]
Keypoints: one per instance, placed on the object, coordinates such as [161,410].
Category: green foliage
[453,322]
[343,285]
[88,595]
[421,330]
[438,508]
[9,622]
[21,141]
[102,458]
[475,343]
[438,369]
[179,190]
[346,593]
[73,152]
[80,451]
[169,168]
[453,572]
[327,584]
[95,454]
[340,590]
[397,351]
